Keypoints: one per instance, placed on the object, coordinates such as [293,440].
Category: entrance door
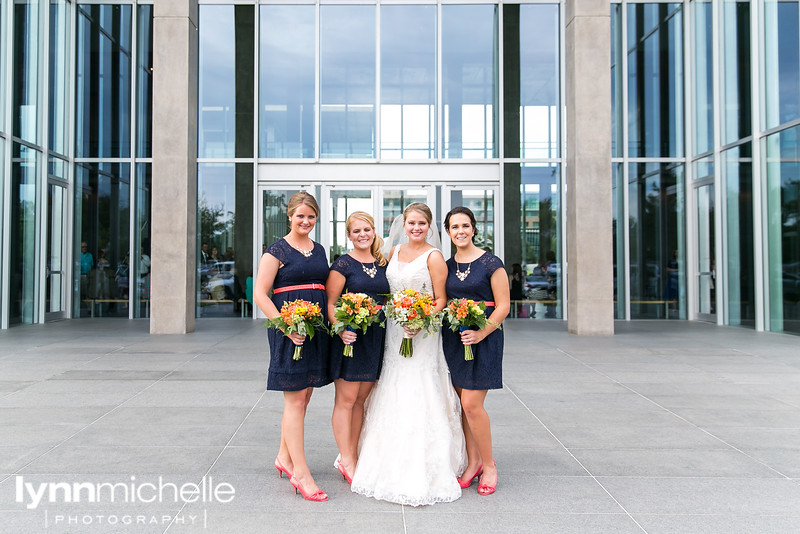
[706,301]
[55,269]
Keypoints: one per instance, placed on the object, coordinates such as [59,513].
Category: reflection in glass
[347,81]
[56,249]
[655,80]
[103,84]
[58,65]
[736,59]
[395,201]
[706,252]
[703,78]
[781,61]
[481,202]
[140,292]
[657,251]
[144,82]
[618,237]
[408,82]
[23,239]
[469,80]
[740,299]
[25,61]
[286,73]
[225,237]
[616,81]
[3,74]
[102,240]
[343,203]
[226,79]
[531,39]
[783,226]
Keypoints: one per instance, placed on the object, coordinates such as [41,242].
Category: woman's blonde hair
[421,208]
[298,199]
[375,249]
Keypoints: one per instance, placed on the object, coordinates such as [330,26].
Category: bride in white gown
[412,449]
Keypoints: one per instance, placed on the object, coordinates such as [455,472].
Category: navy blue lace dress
[365,364]
[485,371]
[286,374]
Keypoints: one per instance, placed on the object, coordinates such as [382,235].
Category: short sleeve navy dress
[485,371]
[286,374]
[365,364]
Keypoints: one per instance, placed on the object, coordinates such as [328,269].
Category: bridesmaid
[478,275]
[363,270]
[295,267]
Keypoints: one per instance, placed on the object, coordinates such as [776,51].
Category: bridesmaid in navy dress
[363,270]
[480,276]
[295,267]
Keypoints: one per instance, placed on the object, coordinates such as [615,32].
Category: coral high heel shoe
[317,496]
[465,483]
[343,471]
[281,469]
[486,489]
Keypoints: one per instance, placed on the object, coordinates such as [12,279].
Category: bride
[412,449]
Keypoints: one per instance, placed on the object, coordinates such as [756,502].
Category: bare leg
[292,427]
[283,452]
[342,422]
[474,459]
[480,428]
[358,415]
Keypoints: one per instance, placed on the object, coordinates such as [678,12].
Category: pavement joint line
[667,410]
[224,448]
[505,386]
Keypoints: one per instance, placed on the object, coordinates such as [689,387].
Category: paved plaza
[666,427]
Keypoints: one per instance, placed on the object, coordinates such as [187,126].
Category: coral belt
[488,302]
[297,288]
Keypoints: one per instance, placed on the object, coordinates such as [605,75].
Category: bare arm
[438,269]
[267,269]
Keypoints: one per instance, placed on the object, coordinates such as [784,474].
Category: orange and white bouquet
[354,311]
[413,310]
[463,314]
[299,316]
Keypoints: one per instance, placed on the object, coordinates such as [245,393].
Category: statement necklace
[462,275]
[306,253]
[372,271]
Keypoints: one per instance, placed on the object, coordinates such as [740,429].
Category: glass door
[706,300]
[55,272]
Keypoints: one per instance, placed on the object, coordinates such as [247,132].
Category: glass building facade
[372,105]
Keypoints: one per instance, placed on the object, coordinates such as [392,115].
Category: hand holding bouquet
[354,311]
[300,316]
[463,314]
[413,310]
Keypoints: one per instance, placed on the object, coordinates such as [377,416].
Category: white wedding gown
[411,449]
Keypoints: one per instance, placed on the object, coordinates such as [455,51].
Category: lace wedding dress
[411,449]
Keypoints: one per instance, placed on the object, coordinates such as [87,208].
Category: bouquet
[354,311]
[463,314]
[414,310]
[299,316]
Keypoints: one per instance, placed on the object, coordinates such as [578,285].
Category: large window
[657,252]
[469,81]
[740,298]
[59,78]
[26,60]
[736,88]
[144,82]
[225,236]
[783,227]
[703,78]
[347,81]
[408,82]
[655,80]
[781,59]
[286,81]
[226,92]
[23,252]
[103,107]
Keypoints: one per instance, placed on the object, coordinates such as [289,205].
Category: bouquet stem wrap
[348,349]
[407,346]
[467,349]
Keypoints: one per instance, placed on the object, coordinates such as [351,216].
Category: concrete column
[174,192]
[590,305]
